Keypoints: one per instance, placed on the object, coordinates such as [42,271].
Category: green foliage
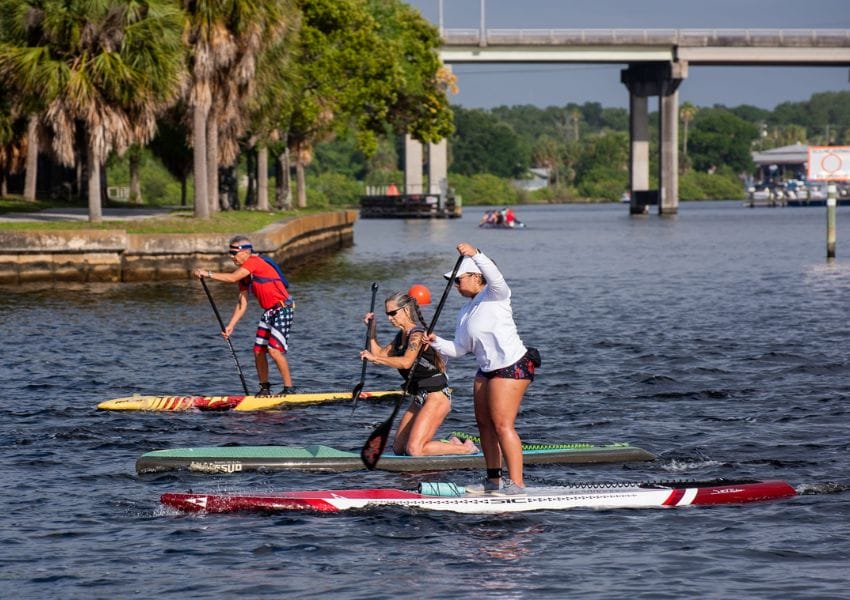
[724,185]
[159,188]
[602,182]
[483,144]
[602,166]
[552,194]
[334,190]
[340,155]
[386,178]
[718,138]
[484,189]
[367,65]
[826,116]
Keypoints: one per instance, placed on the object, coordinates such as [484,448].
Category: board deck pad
[454,498]
[234,459]
[238,403]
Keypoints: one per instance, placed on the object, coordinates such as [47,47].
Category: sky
[487,86]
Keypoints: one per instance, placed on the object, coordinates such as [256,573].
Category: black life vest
[426,374]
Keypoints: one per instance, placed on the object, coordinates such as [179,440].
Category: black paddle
[355,393]
[374,446]
[232,351]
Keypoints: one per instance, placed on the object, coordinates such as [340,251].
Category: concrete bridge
[657,62]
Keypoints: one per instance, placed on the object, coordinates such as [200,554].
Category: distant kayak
[454,498]
[516,225]
[235,459]
[239,403]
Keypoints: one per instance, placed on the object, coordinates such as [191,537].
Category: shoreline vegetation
[319,97]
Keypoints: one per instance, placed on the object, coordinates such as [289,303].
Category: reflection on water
[714,339]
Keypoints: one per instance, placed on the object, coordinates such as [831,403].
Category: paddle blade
[371,452]
[355,396]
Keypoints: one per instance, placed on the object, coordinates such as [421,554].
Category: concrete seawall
[115,255]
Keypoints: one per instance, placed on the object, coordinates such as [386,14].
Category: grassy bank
[175,221]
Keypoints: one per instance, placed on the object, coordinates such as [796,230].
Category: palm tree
[104,69]
[13,140]
[575,119]
[225,39]
[686,113]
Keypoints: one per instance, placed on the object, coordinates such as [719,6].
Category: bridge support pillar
[662,80]
[668,166]
[412,165]
[438,168]
[638,153]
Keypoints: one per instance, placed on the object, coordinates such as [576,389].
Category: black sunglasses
[235,251]
[459,277]
[392,313]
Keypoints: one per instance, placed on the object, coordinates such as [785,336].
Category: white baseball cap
[467,265]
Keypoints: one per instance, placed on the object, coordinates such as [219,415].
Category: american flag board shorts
[273,329]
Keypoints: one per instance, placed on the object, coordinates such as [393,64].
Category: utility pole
[483,35]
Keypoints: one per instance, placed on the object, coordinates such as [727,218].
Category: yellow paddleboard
[221,403]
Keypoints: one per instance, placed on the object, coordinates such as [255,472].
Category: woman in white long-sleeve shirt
[485,327]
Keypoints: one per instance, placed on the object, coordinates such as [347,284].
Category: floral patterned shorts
[521,369]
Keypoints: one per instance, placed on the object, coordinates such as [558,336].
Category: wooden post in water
[830,164]
[831,193]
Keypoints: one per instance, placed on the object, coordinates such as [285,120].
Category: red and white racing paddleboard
[450,497]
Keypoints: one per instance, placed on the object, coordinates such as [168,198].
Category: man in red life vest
[259,275]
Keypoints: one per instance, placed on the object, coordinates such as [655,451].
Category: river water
[716,339]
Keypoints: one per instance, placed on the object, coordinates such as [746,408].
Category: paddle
[374,446]
[221,323]
[355,393]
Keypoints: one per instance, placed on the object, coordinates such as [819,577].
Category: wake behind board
[453,498]
[239,403]
[234,459]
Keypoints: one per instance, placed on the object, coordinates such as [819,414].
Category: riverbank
[113,255]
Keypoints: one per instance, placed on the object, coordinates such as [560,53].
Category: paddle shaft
[374,446]
[359,387]
[230,345]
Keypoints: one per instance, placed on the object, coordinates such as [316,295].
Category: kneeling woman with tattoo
[429,387]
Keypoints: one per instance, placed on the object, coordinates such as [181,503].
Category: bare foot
[473,449]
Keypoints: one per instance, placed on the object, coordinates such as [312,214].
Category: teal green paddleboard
[234,459]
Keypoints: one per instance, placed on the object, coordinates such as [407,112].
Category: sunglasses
[235,251]
[459,277]
[392,313]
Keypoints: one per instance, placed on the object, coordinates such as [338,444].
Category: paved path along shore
[82,214]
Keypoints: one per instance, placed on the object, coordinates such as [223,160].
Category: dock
[410,206]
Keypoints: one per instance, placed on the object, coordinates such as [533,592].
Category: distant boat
[500,219]
[626,198]
[515,225]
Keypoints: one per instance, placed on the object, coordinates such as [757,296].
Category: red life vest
[264,282]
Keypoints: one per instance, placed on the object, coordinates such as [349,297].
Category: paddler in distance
[429,387]
[266,281]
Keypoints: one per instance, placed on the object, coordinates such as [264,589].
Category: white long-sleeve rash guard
[485,325]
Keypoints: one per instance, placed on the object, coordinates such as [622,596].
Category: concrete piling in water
[831,193]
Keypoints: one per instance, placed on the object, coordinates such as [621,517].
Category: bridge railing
[661,37]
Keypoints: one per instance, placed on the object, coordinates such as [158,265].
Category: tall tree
[13,139]
[686,114]
[719,138]
[104,69]
[483,144]
[367,66]
[226,38]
